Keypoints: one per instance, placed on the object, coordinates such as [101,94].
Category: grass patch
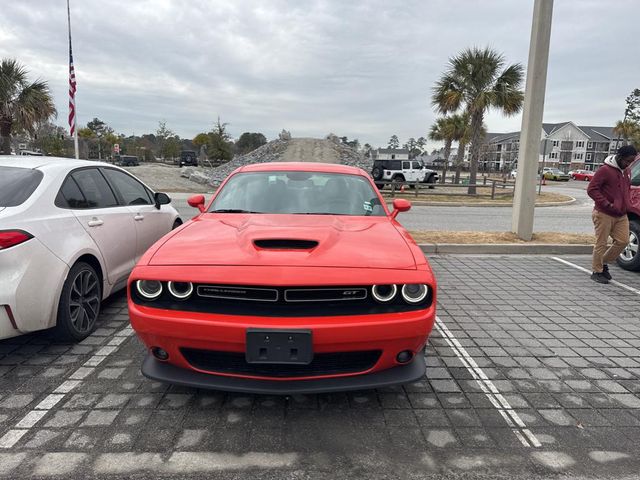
[501,237]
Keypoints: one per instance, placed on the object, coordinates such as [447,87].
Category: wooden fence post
[493,189]
[416,187]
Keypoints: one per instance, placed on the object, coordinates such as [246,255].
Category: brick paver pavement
[521,339]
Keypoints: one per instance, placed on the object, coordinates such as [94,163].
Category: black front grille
[324,294]
[290,301]
[322,364]
[228,292]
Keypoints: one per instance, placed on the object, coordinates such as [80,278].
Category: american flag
[72,94]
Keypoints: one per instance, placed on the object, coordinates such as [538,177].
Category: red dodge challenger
[295,278]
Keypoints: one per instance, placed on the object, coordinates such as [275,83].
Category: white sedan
[71,231]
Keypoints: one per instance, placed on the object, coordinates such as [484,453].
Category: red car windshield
[298,192]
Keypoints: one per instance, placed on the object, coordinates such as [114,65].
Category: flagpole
[75,110]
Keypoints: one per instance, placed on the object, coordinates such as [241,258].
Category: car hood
[287,240]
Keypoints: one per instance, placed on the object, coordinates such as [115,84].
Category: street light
[525,190]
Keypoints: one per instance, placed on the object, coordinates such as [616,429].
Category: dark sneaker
[605,272]
[599,277]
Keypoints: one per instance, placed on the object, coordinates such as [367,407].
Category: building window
[590,145]
[577,156]
[588,156]
[553,155]
[556,143]
[579,144]
[393,156]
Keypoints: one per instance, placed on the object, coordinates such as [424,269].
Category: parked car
[584,175]
[629,259]
[127,160]
[188,158]
[402,171]
[555,174]
[70,234]
[287,290]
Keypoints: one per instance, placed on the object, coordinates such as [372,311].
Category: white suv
[402,171]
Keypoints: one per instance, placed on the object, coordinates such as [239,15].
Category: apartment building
[568,147]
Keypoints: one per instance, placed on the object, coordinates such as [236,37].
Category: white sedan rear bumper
[30,285]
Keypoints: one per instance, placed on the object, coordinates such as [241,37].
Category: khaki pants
[608,226]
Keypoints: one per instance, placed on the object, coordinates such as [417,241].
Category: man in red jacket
[609,188]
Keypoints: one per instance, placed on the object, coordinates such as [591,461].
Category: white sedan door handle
[139,217]
[95,222]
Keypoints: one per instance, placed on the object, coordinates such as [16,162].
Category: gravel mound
[348,156]
[271,152]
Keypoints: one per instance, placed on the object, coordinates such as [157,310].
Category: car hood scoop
[285,244]
[287,240]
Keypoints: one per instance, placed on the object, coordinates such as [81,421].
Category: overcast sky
[363,69]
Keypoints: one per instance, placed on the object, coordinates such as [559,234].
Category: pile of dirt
[283,149]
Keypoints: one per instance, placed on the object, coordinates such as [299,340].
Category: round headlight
[180,290]
[384,293]
[149,289]
[414,292]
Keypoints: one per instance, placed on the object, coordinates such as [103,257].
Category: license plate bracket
[279,346]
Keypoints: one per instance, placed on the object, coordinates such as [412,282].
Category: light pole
[525,191]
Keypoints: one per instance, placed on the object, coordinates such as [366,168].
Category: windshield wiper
[232,210]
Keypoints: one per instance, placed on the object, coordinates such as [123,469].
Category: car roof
[301,166]
[53,163]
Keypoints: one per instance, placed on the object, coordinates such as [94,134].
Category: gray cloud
[362,69]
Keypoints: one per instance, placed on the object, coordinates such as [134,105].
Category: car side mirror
[400,205]
[197,201]
[161,199]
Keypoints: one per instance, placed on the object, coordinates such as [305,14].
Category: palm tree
[448,130]
[23,105]
[462,145]
[476,82]
[626,129]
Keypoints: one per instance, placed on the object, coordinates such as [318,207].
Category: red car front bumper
[180,332]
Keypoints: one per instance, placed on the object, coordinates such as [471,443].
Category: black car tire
[628,259]
[79,304]
[176,224]
[432,180]
[380,186]
[376,173]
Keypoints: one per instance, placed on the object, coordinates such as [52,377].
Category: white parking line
[513,420]
[27,422]
[612,282]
